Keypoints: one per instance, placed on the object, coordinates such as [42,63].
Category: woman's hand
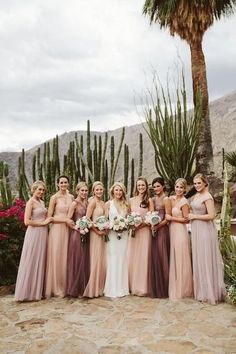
[48,220]
[100,232]
[168,217]
[70,223]
[191,216]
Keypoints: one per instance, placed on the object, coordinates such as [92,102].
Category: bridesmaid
[58,240]
[30,277]
[160,248]
[78,251]
[139,247]
[96,208]
[207,261]
[116,284]
[180,276]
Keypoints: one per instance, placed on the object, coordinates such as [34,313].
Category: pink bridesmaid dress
[180,276]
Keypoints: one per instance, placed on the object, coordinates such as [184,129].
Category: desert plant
[173,133]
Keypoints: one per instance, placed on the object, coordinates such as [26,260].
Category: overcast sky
[63,62]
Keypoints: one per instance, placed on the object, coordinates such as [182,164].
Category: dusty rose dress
[96,283]
[30,277]
[160,254]
[56,269]
[207,261]
[180,276]
[139,251]
[78,257]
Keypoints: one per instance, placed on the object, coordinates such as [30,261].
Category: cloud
[62,63]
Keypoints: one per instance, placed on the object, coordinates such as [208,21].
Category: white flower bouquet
[119,224]
[102,224]
[83,225]
[134,220]
[152,218]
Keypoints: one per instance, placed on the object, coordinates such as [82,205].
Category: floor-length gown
[139,252]
[56,270]
[160,255]
[30,277]
[180,276]
[78,257]
[207,261]
[95,286]
[116,284]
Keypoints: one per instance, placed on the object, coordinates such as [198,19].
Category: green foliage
[228,242]
[5,188]
[173,134]
[12,230]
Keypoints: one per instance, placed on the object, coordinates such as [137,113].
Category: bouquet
[134,220]
[119,224]
[102,224]
[83,225]
[152,218]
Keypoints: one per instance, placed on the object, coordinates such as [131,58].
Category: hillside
[223,122]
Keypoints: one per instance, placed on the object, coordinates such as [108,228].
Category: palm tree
[190,19]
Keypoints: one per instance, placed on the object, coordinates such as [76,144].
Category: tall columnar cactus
[126,166]
[114,167]
[173,133]
[103,162]
[6,197]
[140,172]
[112,157]
[132,178]
[23,184]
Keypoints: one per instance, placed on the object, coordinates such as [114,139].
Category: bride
[116,284]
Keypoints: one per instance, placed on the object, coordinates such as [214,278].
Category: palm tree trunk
[205,152]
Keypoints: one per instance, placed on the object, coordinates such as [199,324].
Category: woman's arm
[182,220]
[206,217]
[107,208]
[150,205]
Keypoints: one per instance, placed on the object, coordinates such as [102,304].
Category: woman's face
[179,189]
[98,191]
[83,192]
[158,188]
[39,192]
[118,192]
[199,185]
[141,187]
[63,184]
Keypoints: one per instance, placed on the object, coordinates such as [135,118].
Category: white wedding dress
[116,284]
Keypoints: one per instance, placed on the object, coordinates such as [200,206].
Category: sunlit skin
[118,193]
[158,189]
[98,196]
[82,196]
[202,189]
[159,192]
[31,204]
[141,187]
[179,193]
[63,186]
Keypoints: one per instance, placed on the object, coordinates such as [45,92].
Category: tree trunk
[205,152]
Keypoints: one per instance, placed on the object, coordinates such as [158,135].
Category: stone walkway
[126,325]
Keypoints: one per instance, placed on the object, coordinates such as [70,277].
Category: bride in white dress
[116,284]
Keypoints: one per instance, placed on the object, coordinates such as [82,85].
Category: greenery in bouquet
[134,220]
[152,218]
[119,224]
[102,224]
[83,225]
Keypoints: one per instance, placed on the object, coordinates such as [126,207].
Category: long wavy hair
[123,200]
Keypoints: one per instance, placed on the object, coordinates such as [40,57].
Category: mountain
[223,124]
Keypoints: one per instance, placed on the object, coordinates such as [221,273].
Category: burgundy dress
[78,257]
[160,255]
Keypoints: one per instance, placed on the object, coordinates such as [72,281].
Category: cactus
[23,184]
[132,178]
[174,135]
[114,166]
[140,154]
[126,166]
[5,188]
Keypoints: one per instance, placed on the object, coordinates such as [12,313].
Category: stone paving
[105,326]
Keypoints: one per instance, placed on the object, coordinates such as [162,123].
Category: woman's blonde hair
[36,184]
[80,185]
[202,177]
[124,196]
[182,181]
[95,184]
